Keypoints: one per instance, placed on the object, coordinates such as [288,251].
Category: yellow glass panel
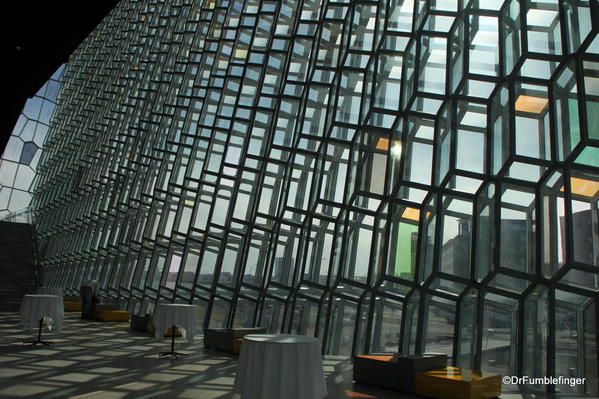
[411,213]
[240,53]
[455,383]
[584,187]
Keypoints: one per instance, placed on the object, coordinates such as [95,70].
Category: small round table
[280,366]
[169,315]
[35,308]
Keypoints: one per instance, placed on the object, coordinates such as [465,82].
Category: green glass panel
[589,156]
[406,250]
[593,119]
[574,122]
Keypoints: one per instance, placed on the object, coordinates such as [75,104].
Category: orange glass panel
[411,213]
[382,144]
[531,104]
[584,187]
[382,358]
[352,394]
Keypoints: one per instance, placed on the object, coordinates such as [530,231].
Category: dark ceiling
[39,37]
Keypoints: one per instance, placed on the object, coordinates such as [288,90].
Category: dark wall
[17,264]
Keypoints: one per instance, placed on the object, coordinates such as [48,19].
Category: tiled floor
[107,361]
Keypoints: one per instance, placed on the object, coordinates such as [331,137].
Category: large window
[386,175]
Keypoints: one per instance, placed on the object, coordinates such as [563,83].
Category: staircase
[17,264]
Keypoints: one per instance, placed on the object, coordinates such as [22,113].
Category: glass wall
[23,150]
[388,176]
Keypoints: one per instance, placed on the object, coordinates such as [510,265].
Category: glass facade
[395,175]
[22,152]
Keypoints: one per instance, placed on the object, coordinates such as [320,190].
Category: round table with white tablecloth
[280,366]
[167,315]
[35,308]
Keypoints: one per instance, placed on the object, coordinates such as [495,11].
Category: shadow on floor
[100,360]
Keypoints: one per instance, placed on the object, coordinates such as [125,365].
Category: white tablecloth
[36,307]
[49,291]
[280,366]
[167,315]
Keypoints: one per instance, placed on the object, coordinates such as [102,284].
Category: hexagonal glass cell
[33,107]
[440,318]
[19,125]
[29,149]
[553,225]
[517,229]
[28,130]
[584,190]
[403,243]
[591,91]
[468,329]
[581,279]
[19,200]
[510,284]
[499,334]
[387,314]
[536,325]
[24,177]
[457,228]
[485,232]
[8,170]
[13,149]
[574,320]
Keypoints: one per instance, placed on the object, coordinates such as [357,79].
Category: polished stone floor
[95,360]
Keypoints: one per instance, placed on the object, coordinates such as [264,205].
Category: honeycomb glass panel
[439,325]
[553,225]
[536,325]
[23,150]
[566,115]
[499,335]
[467,329]
[517,229]
[403,243]
[385,330]
[584,190]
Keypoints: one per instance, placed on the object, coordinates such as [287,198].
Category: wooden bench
[394,372]
[72,306]
[228,339]
[456,383]
[112,315]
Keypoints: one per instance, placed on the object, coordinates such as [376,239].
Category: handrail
[25,215]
